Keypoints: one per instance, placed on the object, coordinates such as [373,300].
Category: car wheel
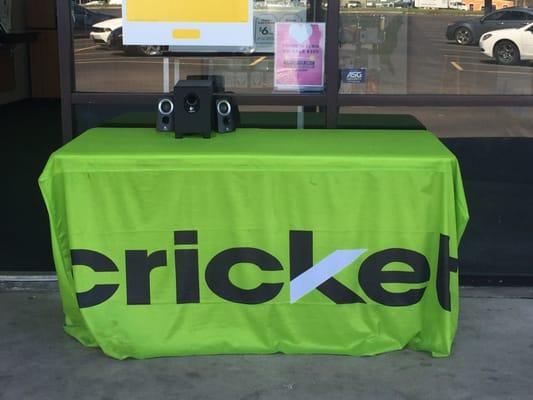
[463,36]
[150,50]
[506,53]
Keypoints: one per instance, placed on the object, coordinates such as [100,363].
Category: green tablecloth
[258,241]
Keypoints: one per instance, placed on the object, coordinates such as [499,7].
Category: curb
[28,282]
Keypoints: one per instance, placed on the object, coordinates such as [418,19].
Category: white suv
[508,46]
[101,31]
[458,5]
[353,4]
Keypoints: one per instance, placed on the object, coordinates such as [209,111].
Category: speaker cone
[192,103]
[165,106]
[224,108]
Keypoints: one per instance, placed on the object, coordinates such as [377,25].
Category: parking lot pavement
[107,70]
[439,66]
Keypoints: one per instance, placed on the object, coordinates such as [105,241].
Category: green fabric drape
[123,193]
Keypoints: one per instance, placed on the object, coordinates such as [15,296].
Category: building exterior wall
[478,5]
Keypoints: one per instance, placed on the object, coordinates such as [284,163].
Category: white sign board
[265,21]
[207,23]
[431,3]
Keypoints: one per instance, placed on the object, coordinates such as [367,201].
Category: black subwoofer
[193,107]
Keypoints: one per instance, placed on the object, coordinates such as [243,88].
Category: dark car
[403,4]
[470,31]
[83,18]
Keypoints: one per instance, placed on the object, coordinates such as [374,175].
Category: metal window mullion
[332,62]
[66,68]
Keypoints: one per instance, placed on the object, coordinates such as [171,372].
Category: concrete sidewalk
[492,359]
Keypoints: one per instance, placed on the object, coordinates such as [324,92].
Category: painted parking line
[499,72]
[154,61]
[116,62]
[255,62]
[79,45]
[453,50]
[461,53]
[90,56]
[457,66]
[460,57]
[440,41]
[513,67]
[120,59]
[85,48]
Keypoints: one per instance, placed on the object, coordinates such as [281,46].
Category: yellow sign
[187,11]
[186,34]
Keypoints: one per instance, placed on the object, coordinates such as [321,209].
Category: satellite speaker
[193,107]
[165,115]
[226,114]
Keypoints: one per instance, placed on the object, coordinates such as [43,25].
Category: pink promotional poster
[299,56]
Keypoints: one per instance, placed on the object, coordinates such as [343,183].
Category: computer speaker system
[165,115]
[226,114]
[218,81]
[193,107]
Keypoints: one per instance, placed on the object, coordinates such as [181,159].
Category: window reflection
[103,64]
[450,122]
[386,47]
[373,52]
[399,49]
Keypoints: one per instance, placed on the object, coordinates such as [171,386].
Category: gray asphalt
[492,359]
[439,66]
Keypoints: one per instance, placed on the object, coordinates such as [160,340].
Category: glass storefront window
[87,116]
[373,52]
[454,122]
[103,64]
[393,48]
